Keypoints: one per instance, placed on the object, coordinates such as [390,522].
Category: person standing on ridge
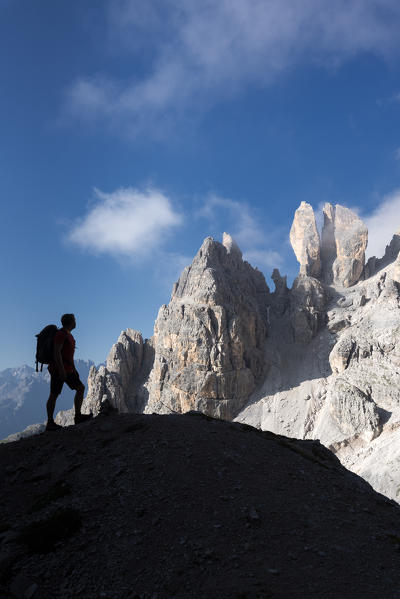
[62,370]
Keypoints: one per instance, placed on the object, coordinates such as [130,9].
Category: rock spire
[337,258]
[305,241]
[344,241]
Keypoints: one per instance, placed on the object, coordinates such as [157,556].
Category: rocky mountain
[317,361]
[155,506]
[23,396]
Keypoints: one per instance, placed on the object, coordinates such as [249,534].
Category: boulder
[354,411]
[341,354]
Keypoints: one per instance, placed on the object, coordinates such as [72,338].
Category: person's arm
[58,345]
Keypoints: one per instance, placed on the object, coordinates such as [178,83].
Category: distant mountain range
[24,393]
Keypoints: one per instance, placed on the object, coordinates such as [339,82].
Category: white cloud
[199,52]
[127,222]
[382,224]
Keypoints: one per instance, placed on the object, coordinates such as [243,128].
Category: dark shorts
[73,381]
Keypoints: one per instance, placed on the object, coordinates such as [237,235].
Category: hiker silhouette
[62,370]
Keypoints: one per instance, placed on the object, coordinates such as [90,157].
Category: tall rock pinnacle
[339,257]
[305,241]
[344,241]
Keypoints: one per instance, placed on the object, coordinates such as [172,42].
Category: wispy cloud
[126,223]
[397,154]
[200,52]
[254,239]
[168,268]
[235,214]
[382,224]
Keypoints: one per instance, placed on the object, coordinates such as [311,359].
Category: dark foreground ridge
[136,506]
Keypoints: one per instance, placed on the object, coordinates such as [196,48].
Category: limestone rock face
[396,270]
[209,341]
[307,303]
[344,241]
[305,240]
[120,382]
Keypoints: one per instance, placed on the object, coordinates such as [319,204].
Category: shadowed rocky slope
[150,506]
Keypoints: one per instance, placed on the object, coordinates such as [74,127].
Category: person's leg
[50,406]
[56,385]
[73,381]
[78,404]
[78,399]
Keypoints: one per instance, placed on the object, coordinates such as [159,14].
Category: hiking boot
[82,418]
[52,426]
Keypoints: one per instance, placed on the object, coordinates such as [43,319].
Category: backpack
[45,346]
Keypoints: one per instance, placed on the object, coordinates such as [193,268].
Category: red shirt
[66,340]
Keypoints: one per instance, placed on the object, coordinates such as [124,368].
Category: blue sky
[132,129]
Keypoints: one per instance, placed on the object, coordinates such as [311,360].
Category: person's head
[68,321]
